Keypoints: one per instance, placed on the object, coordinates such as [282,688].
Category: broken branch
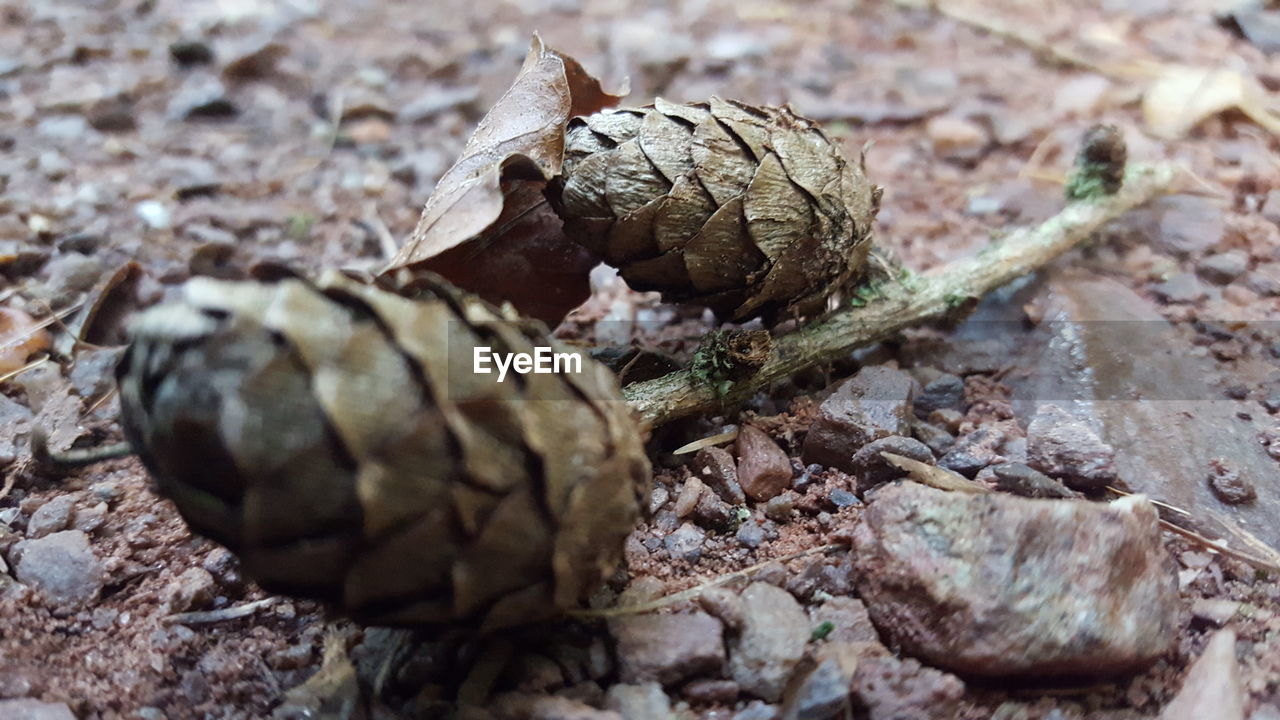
[903,304]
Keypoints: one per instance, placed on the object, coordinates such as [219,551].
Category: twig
[1216,546]
[234,612]
[694,592]
[902,305]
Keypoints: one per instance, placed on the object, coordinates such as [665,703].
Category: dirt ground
[199,138]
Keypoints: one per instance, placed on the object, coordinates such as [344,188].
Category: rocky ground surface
[199,138]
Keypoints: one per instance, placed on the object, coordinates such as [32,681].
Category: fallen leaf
[487,226]
[932,475]
[21,336]
[1182,97]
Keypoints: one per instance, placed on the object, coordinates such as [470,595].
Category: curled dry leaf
[21,336]
[1182,97]
[487,227]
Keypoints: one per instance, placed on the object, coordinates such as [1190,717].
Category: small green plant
[823,630]
[866,294]
[955,299]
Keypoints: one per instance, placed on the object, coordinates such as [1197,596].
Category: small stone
[225,568]
[72,273]
[154,214]
[1024,480]
[436,102]
[667,648]
[780,508]
[89,519]
[842,498]
[756,710]
[28,709]
[724,604]
[106,491]
[1181,288]
[688,498]
[1061,446]
[658,497]
[764,470]
[64,568]
[1224,481]
[943,392]
[93,375]
[772,641]
[201,97]
[1222,268]
[194,589]
[750,534]
[849,620]
[995,585]
[645,701]
[190,52]
[1213,687]
[1215,610]
[938,441]
[51,517]
[821,693]
[715,467]
[1265,280]
[947,419]
[956,138]
[1186,224]
[713,513]
[255,58]
[893,689]
[706,691]
[685,543]
[870,468]
[873,404]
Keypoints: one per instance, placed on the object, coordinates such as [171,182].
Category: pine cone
[335,437]
[749,211]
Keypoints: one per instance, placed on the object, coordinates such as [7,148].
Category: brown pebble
[1227,485]
[764,470]
[688,498]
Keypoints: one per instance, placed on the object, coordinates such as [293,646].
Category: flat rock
[1212,688]
[51,517]
[874,403]
[850,622]
[771,642]
[1181,288]
[1224,267]
[1161,405]
[764,470]
[667,648]
[28,709]
[1063,447]
[1000,586]
[64,568]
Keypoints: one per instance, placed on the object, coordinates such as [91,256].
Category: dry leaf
[1182,97]
[21,336]
[487,227]
[934,476]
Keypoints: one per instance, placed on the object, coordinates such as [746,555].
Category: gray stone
[51,517]
[667,648]
[645,701]
[194,589]
[64,568]
[1222,268]
[943,392]
[1265,280]
[1181,288]
[974,451]
[1185,224]
[893,689]
[873,404]
[1063,447]
[850,622]
[870,468]
[772,641]
[995,585]
[686,543]
[821,693]
[28,709]
[750,534]
[716,468]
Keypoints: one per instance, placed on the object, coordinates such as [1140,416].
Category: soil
[200,138]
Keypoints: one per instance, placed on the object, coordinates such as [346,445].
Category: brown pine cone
[749,211]
[335,437]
